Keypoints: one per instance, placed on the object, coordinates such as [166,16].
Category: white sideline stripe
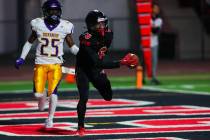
[130,87]
[61,89]
[174,91]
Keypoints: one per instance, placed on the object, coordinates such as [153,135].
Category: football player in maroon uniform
[90,62]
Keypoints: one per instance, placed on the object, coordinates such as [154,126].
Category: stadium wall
[8,26]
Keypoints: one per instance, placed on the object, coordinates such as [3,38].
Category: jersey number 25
[49,43]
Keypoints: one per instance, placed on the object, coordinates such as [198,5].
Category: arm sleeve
[33,24]
[69,28]
[104,64]
[26,49]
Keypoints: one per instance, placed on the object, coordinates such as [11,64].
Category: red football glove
[131,60]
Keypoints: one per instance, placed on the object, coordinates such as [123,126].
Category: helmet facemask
[53,15]
[100,27]
[52,11]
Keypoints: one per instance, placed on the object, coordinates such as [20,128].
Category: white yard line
[151,88]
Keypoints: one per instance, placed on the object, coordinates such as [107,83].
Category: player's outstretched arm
[130,60]
[26,48]
[73,47]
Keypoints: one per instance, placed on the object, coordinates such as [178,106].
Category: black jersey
[88,55]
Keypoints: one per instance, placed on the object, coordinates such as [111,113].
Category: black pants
[99,81]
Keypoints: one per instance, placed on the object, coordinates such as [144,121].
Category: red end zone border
[116,112]
[32,105]
[128,108]
[66,129]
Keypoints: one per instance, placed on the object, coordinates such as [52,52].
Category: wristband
[74,49]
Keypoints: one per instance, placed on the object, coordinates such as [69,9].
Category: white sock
[41,97]
[52,106]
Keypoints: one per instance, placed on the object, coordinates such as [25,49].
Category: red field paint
[6,106]
[32,105]
[138,126]
[38,130]
[116,112]
[164,123]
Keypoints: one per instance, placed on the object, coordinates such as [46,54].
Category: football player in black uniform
[90,62]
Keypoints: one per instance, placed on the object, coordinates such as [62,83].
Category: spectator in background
[156,26]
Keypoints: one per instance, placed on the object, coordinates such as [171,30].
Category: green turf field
[199,83]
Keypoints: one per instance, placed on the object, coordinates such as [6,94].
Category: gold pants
[47,72]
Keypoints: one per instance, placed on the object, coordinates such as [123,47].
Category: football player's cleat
[19,62]
[48,123]
[81,131]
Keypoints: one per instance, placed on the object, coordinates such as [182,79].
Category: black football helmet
[95,17]
[52,10]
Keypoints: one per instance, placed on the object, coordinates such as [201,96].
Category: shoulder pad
[36,20]
[35,23]
[84,39]
[66,21]
[87,35]
[68,26]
